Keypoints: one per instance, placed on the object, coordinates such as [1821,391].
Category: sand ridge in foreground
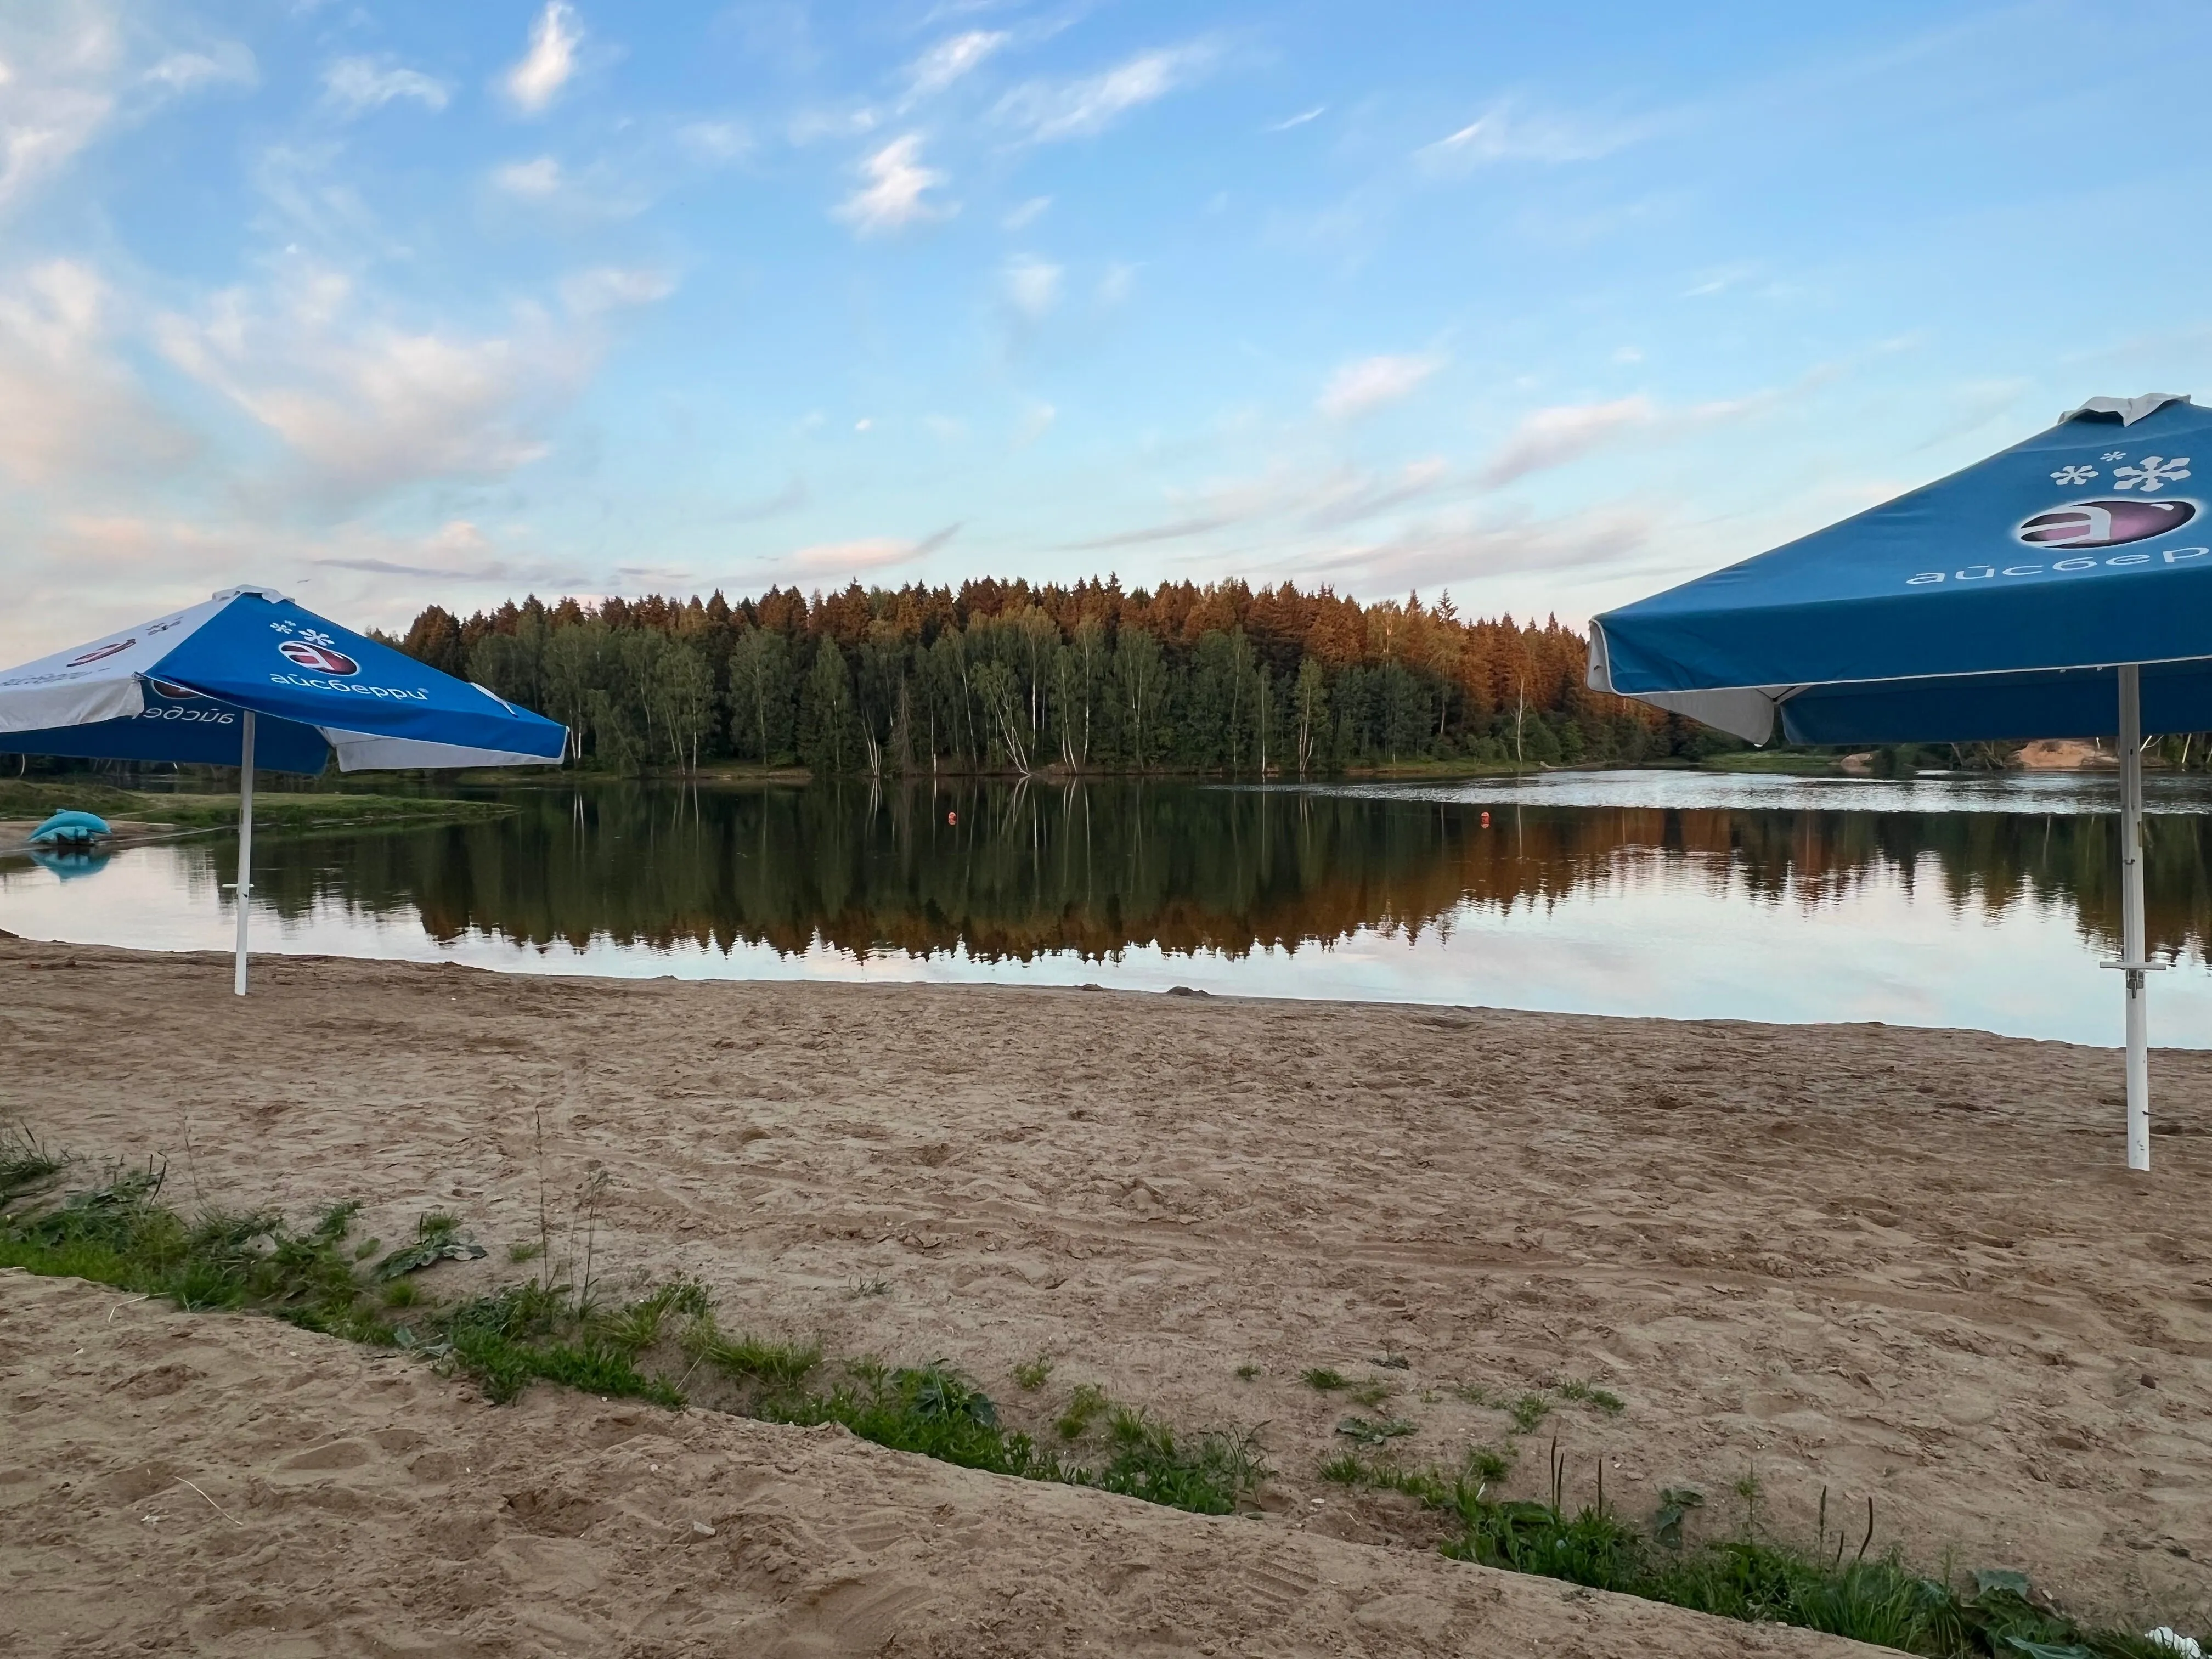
[204,1483]
[1901,1265]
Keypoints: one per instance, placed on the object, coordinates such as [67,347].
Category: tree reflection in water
[1017,871]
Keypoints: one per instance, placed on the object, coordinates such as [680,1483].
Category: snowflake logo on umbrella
[2067,475]
[2113,455]
[2153,475]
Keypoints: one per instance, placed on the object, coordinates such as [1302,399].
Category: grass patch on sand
[117,1232]
[1033,1374]
[1586,1393]
[1873,1598]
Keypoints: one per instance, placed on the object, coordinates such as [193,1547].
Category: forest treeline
[1006,677]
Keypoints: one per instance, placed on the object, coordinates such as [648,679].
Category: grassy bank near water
[273,810]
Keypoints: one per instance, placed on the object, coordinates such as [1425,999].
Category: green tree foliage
[1004,677]
[828,720]
[759,689]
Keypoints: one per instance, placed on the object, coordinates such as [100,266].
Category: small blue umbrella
[2061,588]
[250,679]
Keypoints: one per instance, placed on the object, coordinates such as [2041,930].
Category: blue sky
[1549,306]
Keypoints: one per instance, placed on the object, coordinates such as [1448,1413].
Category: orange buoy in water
[1486,820]
[952,818]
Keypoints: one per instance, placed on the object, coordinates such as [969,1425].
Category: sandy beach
[1897,1264]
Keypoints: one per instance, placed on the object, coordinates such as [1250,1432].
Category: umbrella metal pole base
[244,847]
[2132,942]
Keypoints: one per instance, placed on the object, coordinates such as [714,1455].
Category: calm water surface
[1983,902]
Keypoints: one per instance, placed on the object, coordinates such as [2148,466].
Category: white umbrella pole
[244,847]
[2132,945]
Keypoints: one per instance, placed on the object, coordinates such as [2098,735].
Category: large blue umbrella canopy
[250,679]
[1997,603]
[177,688]
[2061,588]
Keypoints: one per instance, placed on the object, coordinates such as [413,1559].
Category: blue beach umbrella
[249,679]
[2062,588]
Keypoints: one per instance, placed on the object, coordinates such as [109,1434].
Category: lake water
[1968,902]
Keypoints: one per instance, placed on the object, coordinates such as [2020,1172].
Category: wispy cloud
[1026,213]
[536,79]
[536,180]
[1503,133]
[789,499]
[1116,284]
[1036,421]
[868,553]
[1313,114]
[1360,495]
[1295,497]
[69,73]
[950,59]
[713,141]
[364,405]
[1566,432]
[1174,529]
[457,550]
[188,71]
[1032,287]
[892,197]
[354,86]
[1360,388]
[1054,111]
[1468,548]
[614,288]
[68,408]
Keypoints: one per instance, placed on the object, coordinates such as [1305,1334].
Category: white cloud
[1362,387]
[536,78]
[949,59]
[1026,213]
[1313,114]
[1032,287]
[1501,134]
[357,85]
[67,408]
[365,405]
[1552,437]
[611,287]
[892,197]
[1079,108]
[534,180]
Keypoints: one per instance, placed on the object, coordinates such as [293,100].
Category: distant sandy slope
[1904,1264]
[341,1504]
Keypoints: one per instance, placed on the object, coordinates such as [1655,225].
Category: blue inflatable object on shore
[70,829]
